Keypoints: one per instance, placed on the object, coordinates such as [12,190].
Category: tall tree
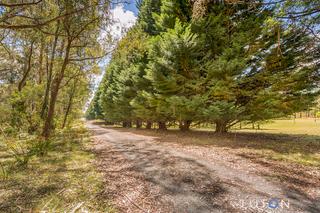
[174,71]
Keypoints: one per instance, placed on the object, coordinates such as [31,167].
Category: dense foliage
[48,52]
[206,61]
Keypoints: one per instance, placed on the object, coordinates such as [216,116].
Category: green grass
[292,127]
[282,140]
[293,141]
[64,180]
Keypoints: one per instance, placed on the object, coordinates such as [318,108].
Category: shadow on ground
[177,176]
[56,182]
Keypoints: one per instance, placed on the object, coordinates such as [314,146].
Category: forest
[48,53]
[186,63]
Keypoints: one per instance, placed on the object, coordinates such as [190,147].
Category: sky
[131,6]
[124,17]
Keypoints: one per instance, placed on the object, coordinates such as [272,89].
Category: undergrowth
[57,175]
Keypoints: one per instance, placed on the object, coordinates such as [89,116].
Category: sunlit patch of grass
[64,180]
[284,140]
[305,126]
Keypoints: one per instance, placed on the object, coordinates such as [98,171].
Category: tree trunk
[41,62]
[138,124]
[162,125]
[221,127]
[149,125]
[185,125]
[49,74]
[54,93]
[27,69]
[126,124]
[129,124]
[69,105]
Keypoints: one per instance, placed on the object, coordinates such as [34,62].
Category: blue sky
[132,7]
[124,15]
[129,6]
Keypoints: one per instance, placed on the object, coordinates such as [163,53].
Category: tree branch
[20,4]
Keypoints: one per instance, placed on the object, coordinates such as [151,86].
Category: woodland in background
[48,52]
[220,62]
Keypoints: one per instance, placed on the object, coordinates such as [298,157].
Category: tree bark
[126,124]
[54,93]
[69,105]
[148,125]
[185,125]
[27,69]
[40,77]
[221,127]
[138,124]
[162,125]
[49,75]
[129,124]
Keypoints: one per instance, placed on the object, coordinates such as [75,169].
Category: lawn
[293,127]
[281,140]
[288,140]
[64,180]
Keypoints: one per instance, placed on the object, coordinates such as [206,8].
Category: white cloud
[122,21]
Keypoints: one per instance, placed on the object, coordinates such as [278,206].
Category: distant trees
[209,62]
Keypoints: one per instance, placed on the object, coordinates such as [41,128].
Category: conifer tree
[224,63]
[147,9]
[251,70]
[175,73]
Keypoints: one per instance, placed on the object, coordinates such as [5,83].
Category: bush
[40,147]
[4,174]
[20,153]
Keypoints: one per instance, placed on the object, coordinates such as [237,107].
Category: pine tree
[252,73]
[94,110]
[170,11]
[229,63]
[175,73]
[125,78]
[147,9]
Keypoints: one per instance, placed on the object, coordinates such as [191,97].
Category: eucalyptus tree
[79,35]
[46,46]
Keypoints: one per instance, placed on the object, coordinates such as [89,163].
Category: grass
[281,140]
[292,127]
[65,180]
[293,141]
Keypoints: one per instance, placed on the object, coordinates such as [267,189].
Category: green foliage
[4,174]
[124,77]
[174,73]
[40,148]
[171,10]
[216,63]
[56,182]
[20,151]
[147,9]
[47,65]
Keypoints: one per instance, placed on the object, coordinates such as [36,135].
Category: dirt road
[143,175]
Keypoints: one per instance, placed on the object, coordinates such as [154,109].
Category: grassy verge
[64,180]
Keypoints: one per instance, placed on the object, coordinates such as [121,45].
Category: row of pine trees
[191,62]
